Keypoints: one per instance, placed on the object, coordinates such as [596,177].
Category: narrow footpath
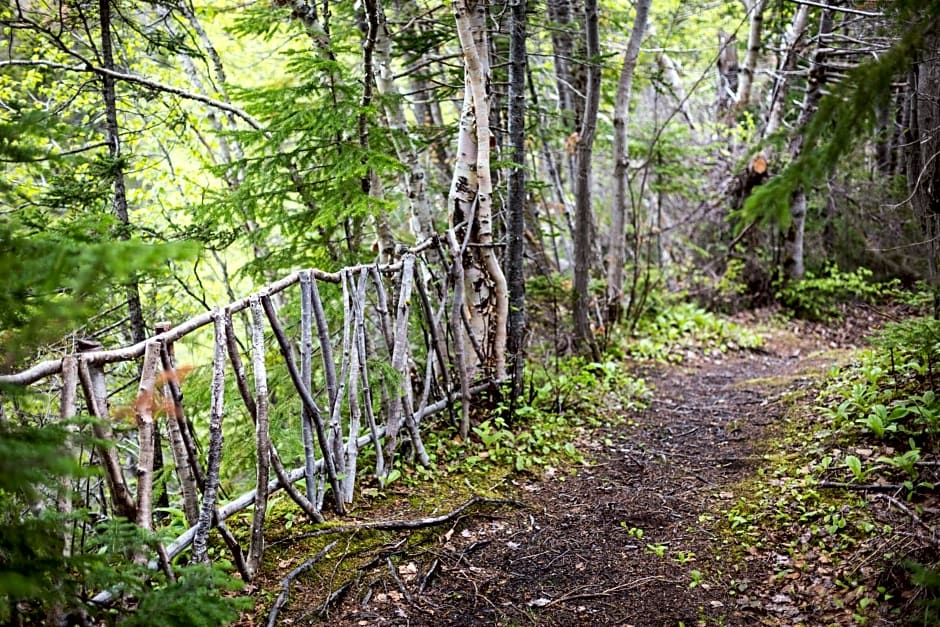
[637,535]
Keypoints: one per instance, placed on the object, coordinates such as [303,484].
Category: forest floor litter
[637,535]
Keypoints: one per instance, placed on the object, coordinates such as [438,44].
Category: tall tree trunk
[922,145]
[727,66]
[112,132]
[471,193]
[515,256]
[616,256]
[415,179]
[569,75]
[793,262]
[785,67]
[746,71]
[583,336]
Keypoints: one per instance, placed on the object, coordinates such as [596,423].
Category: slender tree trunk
[569,75]
[415,179]
[471,193]
[583,210]
[727,66]
[922,145]
[793,262]
[778,97]
[617,245]
[112,132]
[746,71]
[515,257]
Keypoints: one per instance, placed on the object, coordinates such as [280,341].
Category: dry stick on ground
[931,532]
[281,600]
[307,399]
[399,525]
[241,380]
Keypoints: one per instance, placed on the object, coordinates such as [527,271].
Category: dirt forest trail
[636,535]
[623,540]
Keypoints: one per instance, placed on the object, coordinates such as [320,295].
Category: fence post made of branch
[359,377]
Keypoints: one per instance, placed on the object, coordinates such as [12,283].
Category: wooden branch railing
[342,407]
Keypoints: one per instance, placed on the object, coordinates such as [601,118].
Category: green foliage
[928,579]
[36,575]
[677,329]
[197,598]
[545,424]
[844,116]
[56,278]
[883,409]
[818,297]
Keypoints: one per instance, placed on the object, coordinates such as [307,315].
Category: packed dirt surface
[636,536]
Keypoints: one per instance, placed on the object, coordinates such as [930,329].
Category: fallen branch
[900,506]
[860,487]
[398,525]
[281,600]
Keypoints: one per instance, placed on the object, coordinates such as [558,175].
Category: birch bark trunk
[176,424]
[146,435]
[793,263]
[746,71]
[213,465]
[471,193]
[262,442]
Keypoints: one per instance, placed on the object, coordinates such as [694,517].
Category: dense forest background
[561,169]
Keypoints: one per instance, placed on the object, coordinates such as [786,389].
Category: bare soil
[636,536]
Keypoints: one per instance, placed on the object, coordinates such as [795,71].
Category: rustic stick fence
[346,405]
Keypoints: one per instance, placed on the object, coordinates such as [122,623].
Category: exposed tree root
[281,600]
[399,525]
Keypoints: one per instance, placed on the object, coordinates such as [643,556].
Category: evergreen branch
[89,68]
[840,121]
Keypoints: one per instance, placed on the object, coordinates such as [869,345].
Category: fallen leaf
[540,602]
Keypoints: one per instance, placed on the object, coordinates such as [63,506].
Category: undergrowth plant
[883,408]
[817,297]
[678,328]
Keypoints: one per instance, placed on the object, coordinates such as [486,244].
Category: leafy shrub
[37,579]
[682,327]
[817,297]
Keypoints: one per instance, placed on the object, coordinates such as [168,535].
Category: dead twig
[900,506]
[281,600]
[860,487]
[604,593]
[398,525]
